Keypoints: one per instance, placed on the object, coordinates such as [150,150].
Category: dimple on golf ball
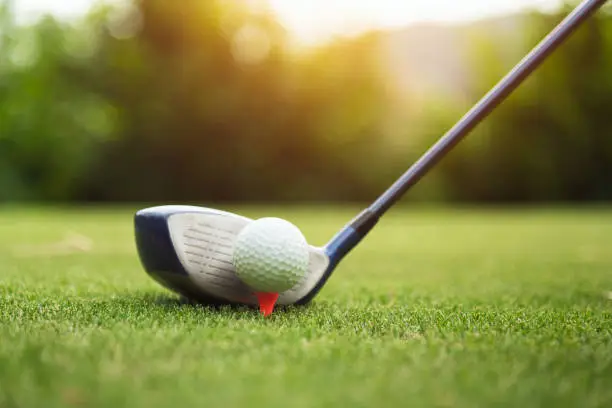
[271,255]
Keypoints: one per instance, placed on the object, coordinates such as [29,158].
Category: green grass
[434,309]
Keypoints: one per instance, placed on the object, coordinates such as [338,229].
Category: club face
[189,250]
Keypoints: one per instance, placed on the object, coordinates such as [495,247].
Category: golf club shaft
[358,228]
[486,105]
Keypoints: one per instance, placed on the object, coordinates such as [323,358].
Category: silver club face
[189,250]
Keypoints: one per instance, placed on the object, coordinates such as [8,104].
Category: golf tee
[266,302]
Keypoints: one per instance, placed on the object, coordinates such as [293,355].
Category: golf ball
[271,255]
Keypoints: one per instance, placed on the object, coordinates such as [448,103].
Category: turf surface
[434,309]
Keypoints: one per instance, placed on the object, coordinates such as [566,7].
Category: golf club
[188,249]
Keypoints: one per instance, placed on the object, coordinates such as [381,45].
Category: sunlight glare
[315,21]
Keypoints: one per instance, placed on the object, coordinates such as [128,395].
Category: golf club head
[189,250]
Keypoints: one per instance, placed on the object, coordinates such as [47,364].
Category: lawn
[436,308]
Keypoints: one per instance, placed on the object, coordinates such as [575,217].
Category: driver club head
[189,249]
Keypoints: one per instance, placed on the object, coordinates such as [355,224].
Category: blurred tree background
[200,101]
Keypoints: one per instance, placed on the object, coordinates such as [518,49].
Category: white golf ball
[271,255]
